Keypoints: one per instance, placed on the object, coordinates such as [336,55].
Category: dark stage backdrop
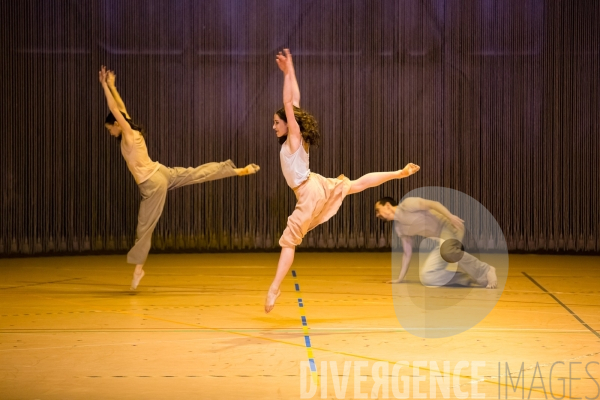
[498,99]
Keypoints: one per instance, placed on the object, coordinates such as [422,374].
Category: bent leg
[299,223]
[297,226]
[482,273]
[435,273]
[310,204]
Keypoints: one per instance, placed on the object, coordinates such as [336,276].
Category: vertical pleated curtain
[498,99]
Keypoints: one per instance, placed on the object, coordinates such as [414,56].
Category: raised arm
[294,80]
[286,64]
[111,79]
[291,97]
[126,131]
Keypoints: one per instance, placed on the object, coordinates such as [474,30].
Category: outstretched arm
[407,247]
[111,79]
[291,97]
[114,108]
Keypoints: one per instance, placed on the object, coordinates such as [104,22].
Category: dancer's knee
[291,237]
[355,187]
[427,280]
[288,242]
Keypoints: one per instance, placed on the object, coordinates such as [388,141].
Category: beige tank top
[137,159]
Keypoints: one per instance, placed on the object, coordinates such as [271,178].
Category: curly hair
[110,120]
[309,128]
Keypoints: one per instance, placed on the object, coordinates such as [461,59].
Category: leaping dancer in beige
[318,198]
[152,178]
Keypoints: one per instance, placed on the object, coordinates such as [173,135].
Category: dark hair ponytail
[110,119]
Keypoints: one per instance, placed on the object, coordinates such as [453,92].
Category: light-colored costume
[411,220]
[154,180]
[318,198]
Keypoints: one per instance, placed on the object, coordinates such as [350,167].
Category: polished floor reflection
[196,329]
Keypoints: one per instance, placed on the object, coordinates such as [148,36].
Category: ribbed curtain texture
[498,99]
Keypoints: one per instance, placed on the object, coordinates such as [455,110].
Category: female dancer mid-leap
[318,198]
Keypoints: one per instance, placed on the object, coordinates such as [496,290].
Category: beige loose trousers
[154,191]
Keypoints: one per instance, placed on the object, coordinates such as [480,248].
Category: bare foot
[492,279]
[270,300]
[408,170]
[247,170]
[136,279]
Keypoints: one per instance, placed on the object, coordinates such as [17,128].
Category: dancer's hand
[457,222]
[281,61]
[102,74]
[284,61]
[111,78]
[288,59]
[410,169]
[399,280]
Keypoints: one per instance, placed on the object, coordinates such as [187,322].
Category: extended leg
[374,179]
[207,172]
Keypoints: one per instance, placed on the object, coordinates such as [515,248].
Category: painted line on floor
[582,322]
[343,353]
[311,358]
[249,335]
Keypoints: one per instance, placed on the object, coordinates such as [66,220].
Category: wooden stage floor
[196,329]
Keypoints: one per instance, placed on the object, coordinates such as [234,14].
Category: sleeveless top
[294,166]
[137,159]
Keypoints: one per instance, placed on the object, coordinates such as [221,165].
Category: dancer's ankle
[273,289]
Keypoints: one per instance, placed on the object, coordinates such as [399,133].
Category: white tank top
[294,166]
[137,159]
